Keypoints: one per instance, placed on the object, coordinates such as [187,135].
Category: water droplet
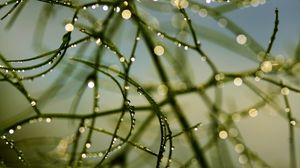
[122,59]
[219,76]
[203,12]
[132,59]
[100,154]
[48,120]
[19,127]
[293,122]
[105,7]
[241,39]
[285,91]
[91,84]
[88,145]
[117,9]
[222,22]
[243,159]
[253,112]
[196,129]
[83,155]
[162,89]
[266,66]
[126,14]
[239,148]
[81,129]
[159,50]
[186,47]
[172,148]
[11,131]
[127,87]
[223,134]
[238,81]
[97,109]
[69,27]
[33,103]
[287,109]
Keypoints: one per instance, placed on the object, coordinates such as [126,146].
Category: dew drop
[88,145]
[241,39]
[33,103]
[81,129]
[139,91]
[122,59]
[132,59]
[253,112]
[287,109]
[186,47]
[127,87]
[98,41]
[293,122]
[285,91]
[243,159]
[203,12]
[105,7]
[159,50]
[222,22]
[69,27]
[11,131]
[239,148]
[48,120]
[266,66]
[19,127]
[100,154]
[83,155]
[126,14]
[238,81]
[223,134]
[91,84]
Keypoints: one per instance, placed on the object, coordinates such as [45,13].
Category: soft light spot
[238,81]
[266,66]
[159,50]
[219,76]
[239,148]
[241,39]
[126,14]
[91,84]
[122,59]
[132,59]
[285,91]
[69,27]
[223,134]
[253,112]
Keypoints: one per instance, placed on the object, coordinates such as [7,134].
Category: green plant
[122,113]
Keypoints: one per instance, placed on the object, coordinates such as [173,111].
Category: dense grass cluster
[131,84]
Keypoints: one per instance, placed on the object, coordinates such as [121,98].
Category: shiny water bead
[180,3]
[223,134]
[253,112]
[83,155]
[219,76]
[159,50]
[266,66]
[81,129]
[285,91]
[98,41]
[105,7]
[11,131]
[241,39]
[33,103]
[88,145]
[48,120]
[69,27]
[243,159]
[203,12]
[222,22]
[126,14]
[238,81]
[91,84]
[239,148]
[293,122]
